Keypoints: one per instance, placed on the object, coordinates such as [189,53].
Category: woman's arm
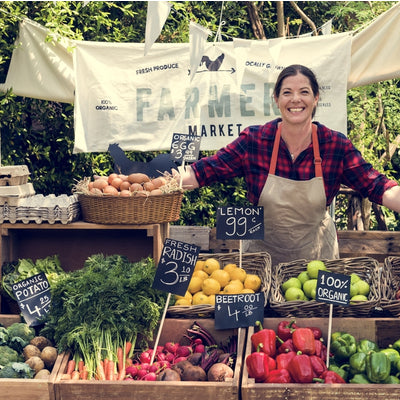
[186,177]
[391,198]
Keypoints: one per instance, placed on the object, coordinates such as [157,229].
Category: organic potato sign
[240,223]
[33,298]
[185,147]
[238,310]
[333,288]
[176,266]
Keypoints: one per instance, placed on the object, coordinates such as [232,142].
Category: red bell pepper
[283,359]
[286,346]
[318,366]
[321,350]
[279,376]
[316,331]
[331,377]
[267,337]
[271,363]
[257,364]
[300,368]
[285,329]
[303,340]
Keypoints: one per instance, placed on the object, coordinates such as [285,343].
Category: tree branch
[304,17]
[256,24]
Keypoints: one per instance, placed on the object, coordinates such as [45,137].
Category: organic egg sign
[240,223]
[185,147]
[333,288]
[33,298]
[176,266]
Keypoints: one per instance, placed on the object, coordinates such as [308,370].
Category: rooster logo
[212,65]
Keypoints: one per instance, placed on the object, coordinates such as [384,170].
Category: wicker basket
[253,263]
[390,284]
[134,210]
[365,267]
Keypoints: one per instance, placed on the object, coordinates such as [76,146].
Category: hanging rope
[220,25]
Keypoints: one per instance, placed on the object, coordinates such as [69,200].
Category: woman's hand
[186,177]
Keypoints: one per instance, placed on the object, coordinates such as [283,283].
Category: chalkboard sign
[185,147]
[333,288]
[240,223]
[176,266]
[33,298]
[238,310]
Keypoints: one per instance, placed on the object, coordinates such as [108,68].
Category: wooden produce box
[173,330]
[384,331]
[32,389]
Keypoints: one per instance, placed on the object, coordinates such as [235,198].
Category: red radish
[178,359]
[184,351]
[151,376]
[200,348]
[171,347]
[155,367]
[145,357]
[170,357]
[141,373]
[132,371]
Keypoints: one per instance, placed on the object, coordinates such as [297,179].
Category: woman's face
[296,100]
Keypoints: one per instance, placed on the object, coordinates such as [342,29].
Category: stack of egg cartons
[14,184]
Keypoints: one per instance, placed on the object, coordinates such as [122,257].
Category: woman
[294,167]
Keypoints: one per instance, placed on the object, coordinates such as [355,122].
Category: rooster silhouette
[156,167]
[213,65]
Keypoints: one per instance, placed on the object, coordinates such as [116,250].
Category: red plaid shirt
[250,156]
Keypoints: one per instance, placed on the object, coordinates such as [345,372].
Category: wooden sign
[238,310]
[185,147]
[240,223]
[33,297]
[333,288]
[176,267]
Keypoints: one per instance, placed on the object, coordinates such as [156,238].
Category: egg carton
[39,208]
[13,175]
[12,195]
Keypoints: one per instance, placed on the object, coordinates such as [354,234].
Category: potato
[36,363]
[49,356]
[41,342]
[31,350]
[42,374]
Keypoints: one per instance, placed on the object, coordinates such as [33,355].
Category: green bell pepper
[366,345]
[343,347]
[359,378]
[342,370]
[357,363]
[377,367]
[394,357]
[396,345]
[392,380]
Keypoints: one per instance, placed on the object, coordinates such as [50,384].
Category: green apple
[362,287]
[354,278]
[303,276]
[358,298]
[310,288]
[313,267]
[291,282]
[294,293]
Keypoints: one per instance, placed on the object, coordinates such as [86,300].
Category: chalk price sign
[176,267]
[238,310]
[185,147]
[240,223]
[33,298]
[333,288]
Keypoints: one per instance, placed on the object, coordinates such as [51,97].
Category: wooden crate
[383,331]
[172,331]
[34,389]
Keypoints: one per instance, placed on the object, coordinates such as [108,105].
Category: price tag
[238,310]
[176,267]
[333,288]
[185,147]
[240,223]
[33,297]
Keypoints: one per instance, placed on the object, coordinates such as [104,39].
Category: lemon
[183,302]
[253,282]
[210,265]
[210,286]
[195,284]
[239,274]
[199,298]
[199,265]
[201,274]
[187,296]
[247,290]
[233,287]
[229,267]
[211,299]
[221,276]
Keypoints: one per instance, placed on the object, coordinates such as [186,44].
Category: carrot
[128,346]
[128,362]
[100,374]
[80,365]
[71,366]
[84,373]
[120,358]
[110,371]
[75,375]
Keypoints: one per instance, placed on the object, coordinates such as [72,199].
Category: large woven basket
[390,284]
[253,263]
[131,210]
[365,267]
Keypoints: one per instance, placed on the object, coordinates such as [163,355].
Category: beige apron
[297,223]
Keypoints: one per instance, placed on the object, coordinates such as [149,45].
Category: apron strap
[317,156]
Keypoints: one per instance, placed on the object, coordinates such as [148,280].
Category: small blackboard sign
[33,298]
[333,288]
[185,147]
[238,310]
[240,223]
[176,267]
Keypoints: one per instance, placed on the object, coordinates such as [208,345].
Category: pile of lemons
[210,278]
